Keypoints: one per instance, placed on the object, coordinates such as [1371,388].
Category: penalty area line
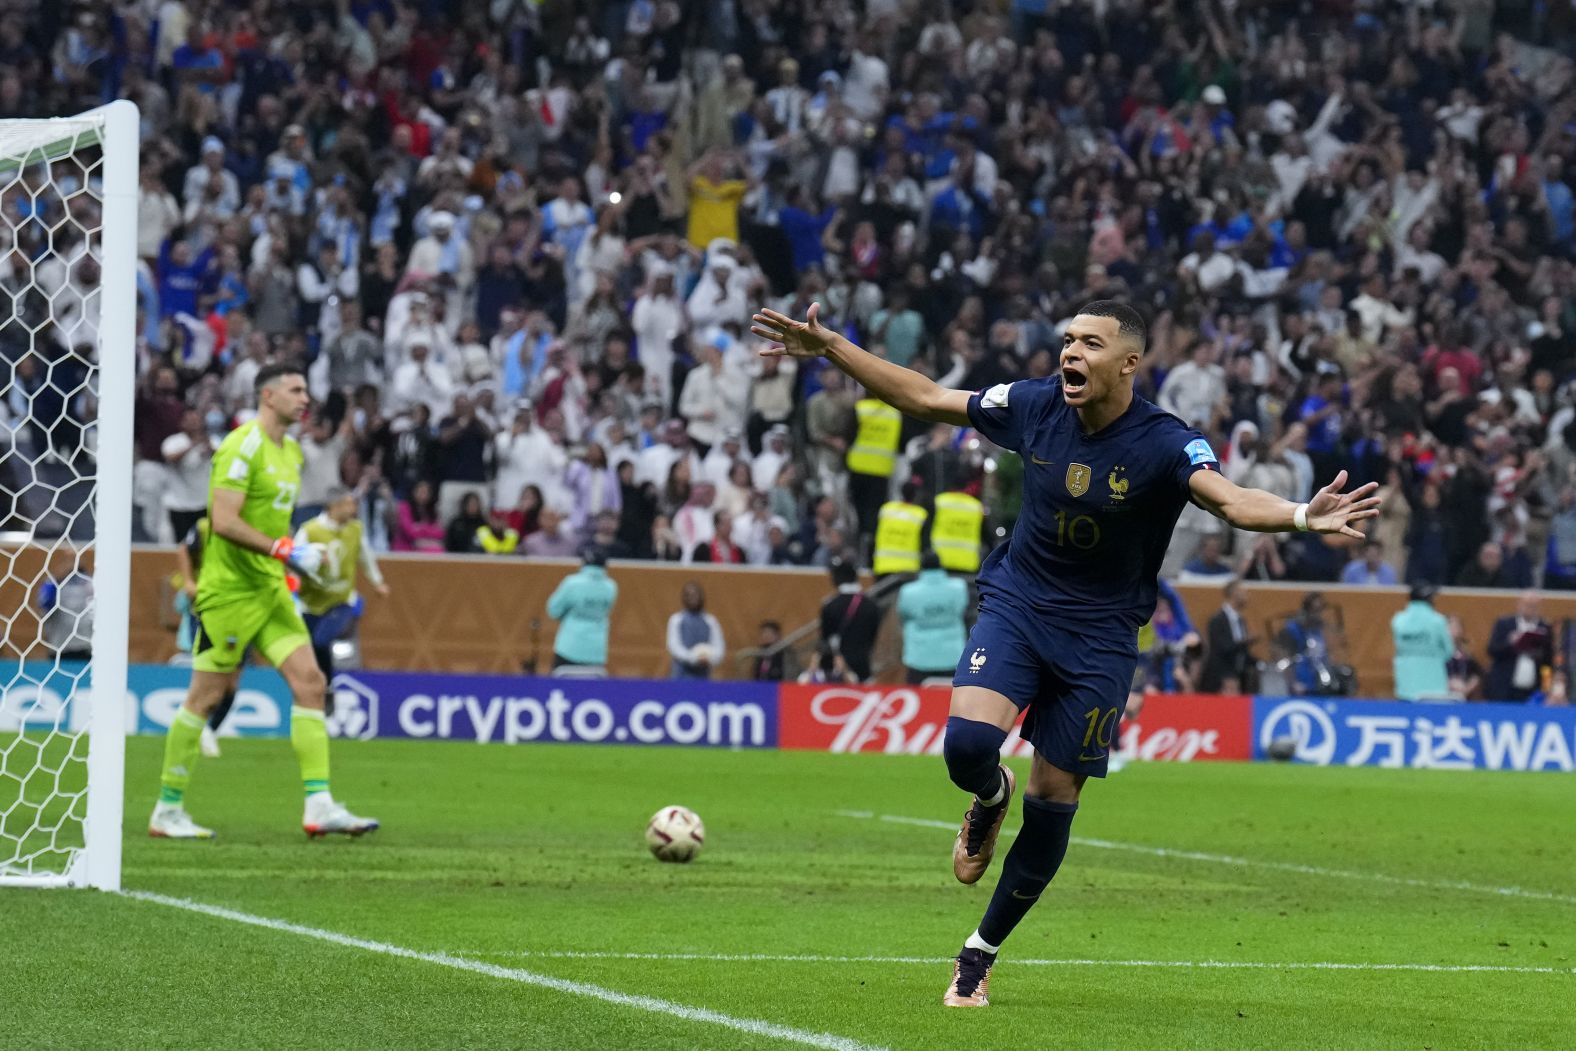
[1198,965]
[652,1004]
[1227,859]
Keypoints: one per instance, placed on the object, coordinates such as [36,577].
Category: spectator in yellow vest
[900,532]
[871,460]
[955,531]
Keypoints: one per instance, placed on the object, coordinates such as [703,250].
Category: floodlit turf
[507,856]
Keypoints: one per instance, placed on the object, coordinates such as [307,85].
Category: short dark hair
[268,373]
[843,569]
[1129,322]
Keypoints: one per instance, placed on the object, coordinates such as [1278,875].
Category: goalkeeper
[331,606]
[243,600]
[188,557]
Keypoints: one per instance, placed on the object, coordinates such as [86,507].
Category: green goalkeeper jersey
[267,476]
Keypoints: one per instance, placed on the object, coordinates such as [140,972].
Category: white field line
[682,1012]
[1200,965]
[1227,859]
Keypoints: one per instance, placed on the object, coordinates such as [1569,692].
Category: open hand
[1332,511]
[796,339]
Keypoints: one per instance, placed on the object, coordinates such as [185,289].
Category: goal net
[68,214]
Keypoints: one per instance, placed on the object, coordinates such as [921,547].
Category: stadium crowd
[519,244]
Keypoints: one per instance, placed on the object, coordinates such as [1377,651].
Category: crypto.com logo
[1307,724]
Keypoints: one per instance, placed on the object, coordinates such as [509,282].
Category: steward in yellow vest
[329,602]
[955,533]
[874,451]
[900,533]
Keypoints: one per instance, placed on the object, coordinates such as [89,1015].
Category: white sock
[1001,793]
[976,942]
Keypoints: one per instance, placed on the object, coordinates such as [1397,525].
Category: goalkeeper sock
[309,738]
[1034,858]
[221,711]
[180,756]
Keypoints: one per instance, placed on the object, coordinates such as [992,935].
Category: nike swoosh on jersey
[1043,463]
[1090,758]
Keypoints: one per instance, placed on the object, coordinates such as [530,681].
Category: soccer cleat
[171,821]
[209,742]
[324,816]
[970,979]
[976,842]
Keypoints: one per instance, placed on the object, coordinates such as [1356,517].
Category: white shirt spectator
[866,85]
[1378,315]
[713,401]
[319,467]
[199,176]
[694,525]
[768,465]
[189,463]
[422,381]
[157,215]
[528,457]
[1212,272]
[752,535]
[318,286]
[714,301]
[718,463]
[657,321]
[1192,391]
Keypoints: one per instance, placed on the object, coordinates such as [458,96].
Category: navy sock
[220,710]
[1034,858]
[973,753]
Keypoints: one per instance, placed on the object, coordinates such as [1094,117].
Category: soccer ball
[675,833]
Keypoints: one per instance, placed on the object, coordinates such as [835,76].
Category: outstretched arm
[1330,510]
[904,389]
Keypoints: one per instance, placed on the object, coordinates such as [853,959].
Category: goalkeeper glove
[307,558]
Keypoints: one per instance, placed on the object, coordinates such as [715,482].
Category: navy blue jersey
[1098,509]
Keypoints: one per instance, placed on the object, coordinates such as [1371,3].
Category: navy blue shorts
[1073,684]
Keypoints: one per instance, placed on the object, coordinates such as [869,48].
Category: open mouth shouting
[1075,381]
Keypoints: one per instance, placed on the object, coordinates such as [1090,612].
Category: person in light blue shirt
[1423,648]
[583,604]
[1371,569]
[931,608]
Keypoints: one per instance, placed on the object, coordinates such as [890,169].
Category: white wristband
[1299,518]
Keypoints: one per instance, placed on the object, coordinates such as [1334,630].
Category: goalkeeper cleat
[209,743]
[171,821]
[970,979]
[976,842]
[325,816]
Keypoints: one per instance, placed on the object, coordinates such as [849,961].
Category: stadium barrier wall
[474,613]
[832,718]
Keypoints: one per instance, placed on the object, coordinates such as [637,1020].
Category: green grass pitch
[519,857]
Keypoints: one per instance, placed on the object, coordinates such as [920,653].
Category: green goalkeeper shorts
[269,623]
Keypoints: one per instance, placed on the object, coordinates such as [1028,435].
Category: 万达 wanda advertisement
[913,720]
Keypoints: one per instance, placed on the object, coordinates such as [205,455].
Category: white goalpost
[68,315]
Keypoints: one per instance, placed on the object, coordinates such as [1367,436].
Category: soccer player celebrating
[1061,603]
[243,600]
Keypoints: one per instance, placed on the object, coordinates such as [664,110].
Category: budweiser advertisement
[913,719]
